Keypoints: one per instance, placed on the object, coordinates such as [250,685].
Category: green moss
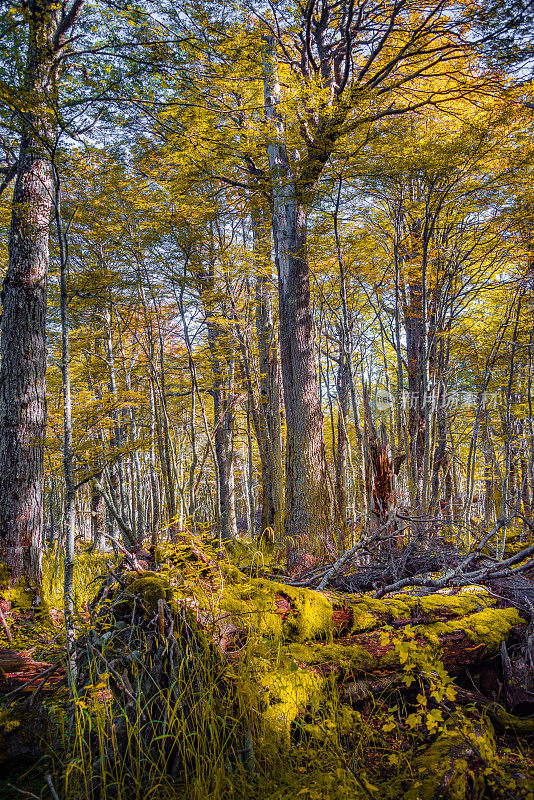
[370,613]
[493,626]
[313,617]
[300,704]
[233,575]
[288,693]
[254,602]
[453,767]
[149,588]
[348,719]
[458,605]
[490,627]
[20,595]
[253,605]
[190,551]
[237,551]
[509,721]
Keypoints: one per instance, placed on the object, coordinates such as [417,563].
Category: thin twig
[130,556]
[22,791]
[48,779]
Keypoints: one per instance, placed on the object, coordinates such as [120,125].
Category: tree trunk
[23,328]
[69,522]
[117,483]
[270,426]
[342,385]
[525,493]
[222,359]
[98,517]
[380,476]
[308,501]
[416,418]
[489,484]
[224,448]
[441,460]
[154,493]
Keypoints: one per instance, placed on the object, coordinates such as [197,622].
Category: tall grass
[98,765]
[204,735]
[162,721]
[89,566]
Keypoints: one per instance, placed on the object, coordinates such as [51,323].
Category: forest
[266,388]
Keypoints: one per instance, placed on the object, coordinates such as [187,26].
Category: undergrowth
[262,728]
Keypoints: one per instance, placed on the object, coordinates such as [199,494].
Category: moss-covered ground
[345,696]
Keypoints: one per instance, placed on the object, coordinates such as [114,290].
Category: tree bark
[98,517]
[224,449]
[23,328]
[441,461]
[308,500]
[69,520]
[342,385]
[380,475]
[270,425]
[222,359]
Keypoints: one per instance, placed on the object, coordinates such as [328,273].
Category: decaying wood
[11,661]
[20,673]
[416,565]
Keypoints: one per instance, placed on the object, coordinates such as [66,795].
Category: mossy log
[301,639]
[298,640]
[456,764]
[360,635]
[348,635]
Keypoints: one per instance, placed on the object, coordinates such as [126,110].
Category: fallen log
[497,712]
[19,673]
[364,634]
[11,661]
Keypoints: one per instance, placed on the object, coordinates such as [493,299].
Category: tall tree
[348,66]
[269,433]
[23,329]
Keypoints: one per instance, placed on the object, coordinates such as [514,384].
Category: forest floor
[205,675]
